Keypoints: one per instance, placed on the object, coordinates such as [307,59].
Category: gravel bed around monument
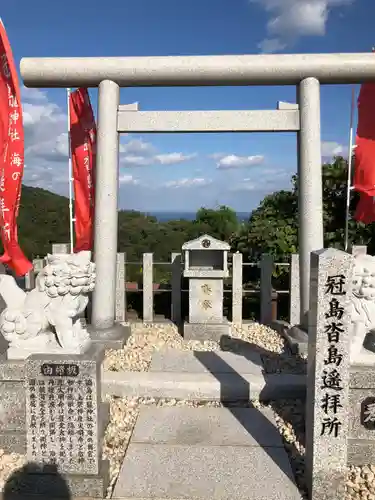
[145,339]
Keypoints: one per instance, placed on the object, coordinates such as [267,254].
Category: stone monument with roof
[206,266]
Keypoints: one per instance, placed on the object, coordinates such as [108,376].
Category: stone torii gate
[306,71]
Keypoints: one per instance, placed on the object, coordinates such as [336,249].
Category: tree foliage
[272,227]
[222,222]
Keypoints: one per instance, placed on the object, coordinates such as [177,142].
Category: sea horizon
[168,215]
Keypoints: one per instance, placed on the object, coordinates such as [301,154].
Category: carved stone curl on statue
[362,309]
[46,319]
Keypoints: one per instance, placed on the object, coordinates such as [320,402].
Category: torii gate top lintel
[261,69]
[306,71]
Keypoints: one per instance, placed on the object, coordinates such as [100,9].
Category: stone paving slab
[173,360]
[207,426]
[205,473]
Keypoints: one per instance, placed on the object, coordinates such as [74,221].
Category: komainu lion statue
[46,319]
[362,308]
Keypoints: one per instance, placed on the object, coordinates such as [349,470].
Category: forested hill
[44,219]
[272,227]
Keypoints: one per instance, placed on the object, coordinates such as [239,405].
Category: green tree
[222,223]
[273,227]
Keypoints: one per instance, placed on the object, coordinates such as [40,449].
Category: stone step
[204,375]
[207,426]
[203,386]
[205,454]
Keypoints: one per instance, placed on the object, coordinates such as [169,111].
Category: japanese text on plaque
[331,380]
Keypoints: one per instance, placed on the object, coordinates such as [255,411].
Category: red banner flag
[83,151]
[11,158]
[364,173]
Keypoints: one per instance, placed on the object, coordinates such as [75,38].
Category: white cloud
[46,142]
[135,161]
[46,146]
[138,153]
[290,19]
[33,94]
[246,185]
[187,183]
[270,180]
[234,161]
[332,148]
[161,159]
[270,45]
[174,158]
[137,147]
[128,179]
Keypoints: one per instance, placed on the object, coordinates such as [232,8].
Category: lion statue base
[47,319]
[362,309]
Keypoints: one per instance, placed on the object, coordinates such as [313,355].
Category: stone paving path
[205,453]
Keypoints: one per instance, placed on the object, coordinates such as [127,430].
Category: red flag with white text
[11,158]
[83,152]
[364,168]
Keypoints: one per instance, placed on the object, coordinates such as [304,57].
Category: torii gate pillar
[310,186]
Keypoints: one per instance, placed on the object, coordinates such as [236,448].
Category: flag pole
[70,173]
[349,179]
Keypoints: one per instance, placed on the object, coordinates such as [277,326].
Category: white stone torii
[306,71]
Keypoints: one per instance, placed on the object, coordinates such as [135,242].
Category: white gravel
[145,339]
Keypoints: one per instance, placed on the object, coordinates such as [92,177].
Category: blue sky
[184,172]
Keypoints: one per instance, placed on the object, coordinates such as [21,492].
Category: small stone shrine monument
[206,266]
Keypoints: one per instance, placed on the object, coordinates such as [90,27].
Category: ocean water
[167,216]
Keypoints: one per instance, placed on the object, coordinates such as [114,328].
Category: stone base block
[26,483]
[296,338]
[360,452]
[104,417]
[110,338]
[216,362]
[206,331]
[203,386]
[19,353]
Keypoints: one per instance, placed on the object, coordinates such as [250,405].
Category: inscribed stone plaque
[205,300]
[327,406]
[62,398]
